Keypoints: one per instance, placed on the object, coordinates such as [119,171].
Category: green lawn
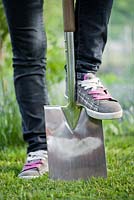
[118,185]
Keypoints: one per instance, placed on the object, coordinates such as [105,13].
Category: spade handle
[68,15]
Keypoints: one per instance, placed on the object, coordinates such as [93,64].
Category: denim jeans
[29,45]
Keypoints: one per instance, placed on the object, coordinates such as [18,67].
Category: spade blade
[74,154]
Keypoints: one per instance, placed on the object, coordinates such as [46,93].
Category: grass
[118,186]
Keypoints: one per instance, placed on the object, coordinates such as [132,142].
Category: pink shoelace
[32,165]
[100,94]
[97,90]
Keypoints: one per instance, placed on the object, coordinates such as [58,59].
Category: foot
[36,165]
[95,98]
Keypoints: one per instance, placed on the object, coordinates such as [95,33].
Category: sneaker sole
[103,116]
[29,177]
[32,177]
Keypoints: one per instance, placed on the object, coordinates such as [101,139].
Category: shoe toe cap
[109,106]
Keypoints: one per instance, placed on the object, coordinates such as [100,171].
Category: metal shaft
[69,45]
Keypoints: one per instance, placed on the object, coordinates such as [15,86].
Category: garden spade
[74,140]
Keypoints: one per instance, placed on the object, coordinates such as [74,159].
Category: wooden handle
[68,15]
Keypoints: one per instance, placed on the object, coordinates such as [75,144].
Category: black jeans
[29,44]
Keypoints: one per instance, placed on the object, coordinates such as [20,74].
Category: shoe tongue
[89,76]
[85,76]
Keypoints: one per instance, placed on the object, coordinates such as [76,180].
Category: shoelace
[97,89]
[35,159]
[32,165]
[92,83]
[37,155]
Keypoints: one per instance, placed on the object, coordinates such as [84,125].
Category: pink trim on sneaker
[100,94]
[32,165]
[85,77]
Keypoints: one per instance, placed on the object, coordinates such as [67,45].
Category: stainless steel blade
[74,154]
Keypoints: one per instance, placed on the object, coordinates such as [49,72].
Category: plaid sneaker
[36,165]
[95,98]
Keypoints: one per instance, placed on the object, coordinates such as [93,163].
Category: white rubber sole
[103,116]
[29,177]
[32,177]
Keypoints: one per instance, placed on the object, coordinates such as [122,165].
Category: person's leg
[25,21]
[92,19]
